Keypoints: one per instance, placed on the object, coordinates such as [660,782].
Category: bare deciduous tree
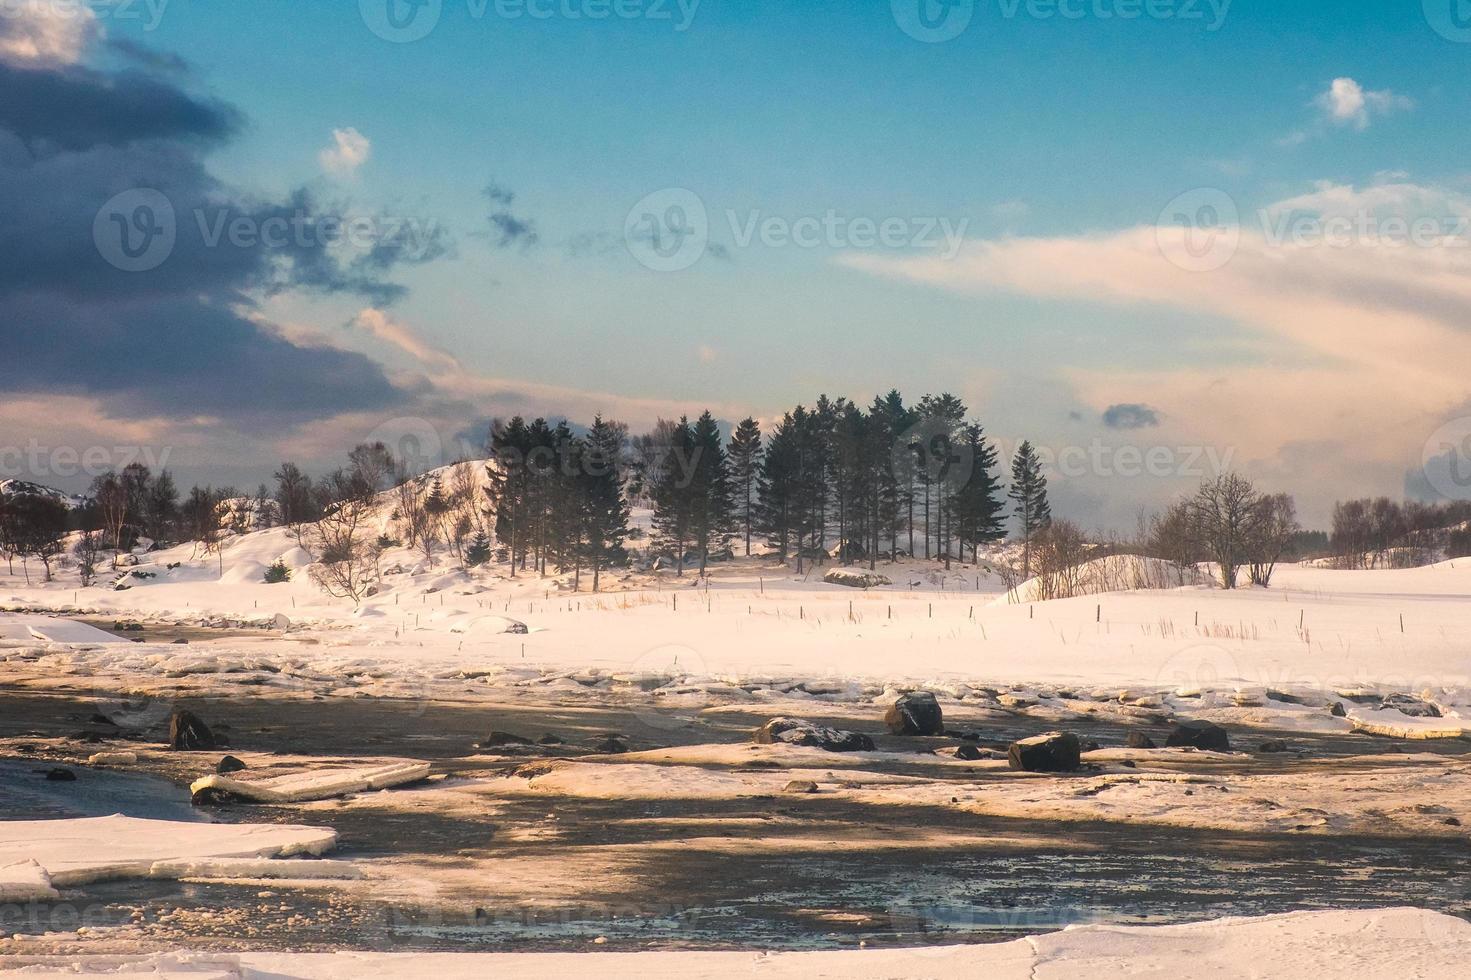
[347,552]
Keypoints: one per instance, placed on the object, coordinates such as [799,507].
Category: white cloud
[1357,345]
[350,149]
[1347,103]
[42,35]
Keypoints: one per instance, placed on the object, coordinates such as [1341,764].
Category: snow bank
[1387,944]
[47,629]
[317,784]
[77,851]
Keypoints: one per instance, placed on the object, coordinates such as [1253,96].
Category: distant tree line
[1384,533]
[886,481]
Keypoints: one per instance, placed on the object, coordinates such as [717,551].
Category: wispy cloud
[1358,344]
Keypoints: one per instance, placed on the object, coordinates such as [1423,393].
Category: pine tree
[745,473]
[605,508]
[978,507]
[673,503]
[1029,495]
[479,551]
[710,490]
[940,419]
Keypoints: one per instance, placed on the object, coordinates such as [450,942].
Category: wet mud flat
[769,870]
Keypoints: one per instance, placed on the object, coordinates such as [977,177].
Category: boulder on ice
[1200,735]
[917,713]
[1050,752]
[793,731]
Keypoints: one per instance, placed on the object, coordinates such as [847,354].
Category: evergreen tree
[673,500]
[1029,496]
[745,474]
[510,487]
[900,422]
[605,508]
[710,490]
[940,419]
[978,507]
[479,551]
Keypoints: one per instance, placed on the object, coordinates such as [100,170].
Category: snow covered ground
[1385,945]
[1323,654]
[752,625]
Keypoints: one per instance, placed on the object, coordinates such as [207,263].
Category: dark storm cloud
[1130,416]
[145,57]
[179,357]
[77,108]
[178,339]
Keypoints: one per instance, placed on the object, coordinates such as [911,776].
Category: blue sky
[1048,140]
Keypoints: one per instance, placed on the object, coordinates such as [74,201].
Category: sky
[1158,238]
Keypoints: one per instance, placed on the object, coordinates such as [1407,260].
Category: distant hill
[23,488]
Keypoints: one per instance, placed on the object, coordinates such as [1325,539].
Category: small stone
[60,775]
[800,786]
[228,765]
[1272,746]
[1139,740]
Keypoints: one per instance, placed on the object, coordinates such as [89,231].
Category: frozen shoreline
[1367,945]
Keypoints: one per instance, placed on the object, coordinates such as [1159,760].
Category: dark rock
[549,739]
[915,714]
[1451,822]
[228,765]
[611,746]
[1272,745]
[518,628]
[1090,745]
[1413,707]
[800,786]
[1129,764]
[1139,740]
[60,775]
[1337,710]
[793,731]
[497,739]
[181,642]
[1200,735]
[969,753]
[1052,752]
[101,719]
[188,734]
